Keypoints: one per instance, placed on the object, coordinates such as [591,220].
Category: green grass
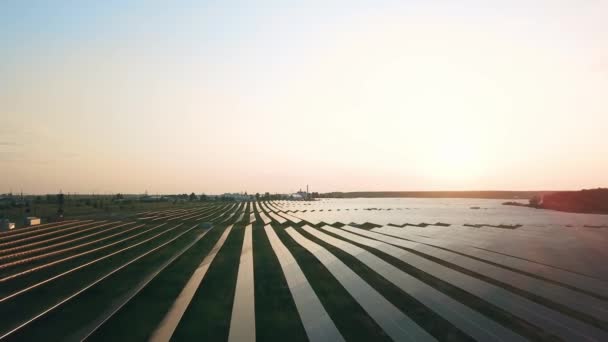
[276,315]
[203,213]
[418,312]
[22,267]
[74,210]
[154,301]
[223,214]
[107,230]
[45,260]
[83,309]
[208,317]
[511,320]
[487,309]
[34,277]
[30,303]
[60,235]
[212,215]
[350,318]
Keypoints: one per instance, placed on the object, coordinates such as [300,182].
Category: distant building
[300,195]
[6,225]
[32,221]
[297,196]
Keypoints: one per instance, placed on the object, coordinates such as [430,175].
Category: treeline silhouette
[585,201]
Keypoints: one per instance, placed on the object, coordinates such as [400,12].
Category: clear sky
[223,96]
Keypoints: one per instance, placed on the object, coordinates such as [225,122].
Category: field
[327,270]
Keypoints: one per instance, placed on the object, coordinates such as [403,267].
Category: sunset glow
[236,97]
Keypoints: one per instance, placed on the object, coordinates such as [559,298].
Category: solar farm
[301,271]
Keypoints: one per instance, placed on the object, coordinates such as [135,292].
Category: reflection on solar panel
[166,328]
[316,321]
[242,323]
[398,326]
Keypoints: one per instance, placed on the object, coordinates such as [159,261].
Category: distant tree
[60,202]
[202,197]
[60,199]
[192,197]
[535,201]
[119,196]
[257,196]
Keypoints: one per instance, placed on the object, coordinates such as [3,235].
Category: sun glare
[455,162]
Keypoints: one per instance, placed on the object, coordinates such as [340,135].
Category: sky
[228,96]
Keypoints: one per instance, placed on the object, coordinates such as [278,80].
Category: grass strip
[208,316]
[92,298]
[153,302]
[352,321]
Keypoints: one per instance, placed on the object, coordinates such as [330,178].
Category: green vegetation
[208,316]
[489,310]
[45,273]
[20,308]
[424,317]
[594,201]
[124,234]
[53,208]
[350,318]
[89,304]
[276,315]
[153,302]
